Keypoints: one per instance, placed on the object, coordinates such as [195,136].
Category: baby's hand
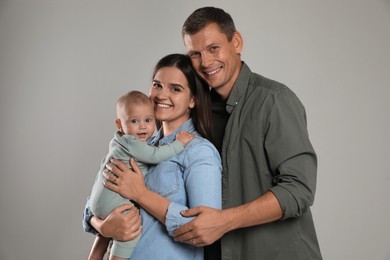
[184,137]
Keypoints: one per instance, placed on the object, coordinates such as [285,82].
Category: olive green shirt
[265,148]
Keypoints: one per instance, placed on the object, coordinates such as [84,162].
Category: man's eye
[194,55]
[213,49]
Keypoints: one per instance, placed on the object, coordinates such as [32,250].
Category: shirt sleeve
[87,215]
[291,156]
[202,177]
[146,153]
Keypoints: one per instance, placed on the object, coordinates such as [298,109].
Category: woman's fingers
[111,179]
[133,164]
[117,164]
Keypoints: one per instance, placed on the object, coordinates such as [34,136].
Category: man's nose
[207,59]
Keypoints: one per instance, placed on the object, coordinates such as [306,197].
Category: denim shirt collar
[161,140]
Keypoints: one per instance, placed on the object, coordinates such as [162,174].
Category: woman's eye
[156,85]
[175,89]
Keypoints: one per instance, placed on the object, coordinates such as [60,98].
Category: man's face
[215,58]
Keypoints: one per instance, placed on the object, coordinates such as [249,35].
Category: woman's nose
[163,93]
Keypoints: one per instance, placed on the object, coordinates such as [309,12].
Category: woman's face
[172,97]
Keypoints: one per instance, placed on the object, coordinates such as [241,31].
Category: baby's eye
[149,120]
[134,121]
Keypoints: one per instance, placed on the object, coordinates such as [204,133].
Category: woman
[190,179]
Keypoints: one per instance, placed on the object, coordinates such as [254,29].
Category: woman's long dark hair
[201,113]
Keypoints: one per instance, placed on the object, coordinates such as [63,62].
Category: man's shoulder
[255,81]
[261,82]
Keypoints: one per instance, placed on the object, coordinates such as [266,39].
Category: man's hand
[205,229]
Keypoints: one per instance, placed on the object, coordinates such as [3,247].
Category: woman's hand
[130,184]
[123,223]
[121,179]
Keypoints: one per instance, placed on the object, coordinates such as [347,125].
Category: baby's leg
[123,249]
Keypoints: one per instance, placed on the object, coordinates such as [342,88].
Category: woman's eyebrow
[176,85]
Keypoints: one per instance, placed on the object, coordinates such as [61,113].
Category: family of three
[170,196]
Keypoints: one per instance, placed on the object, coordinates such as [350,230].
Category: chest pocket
[165,178]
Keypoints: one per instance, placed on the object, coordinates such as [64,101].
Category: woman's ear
[192,103]
[118,124]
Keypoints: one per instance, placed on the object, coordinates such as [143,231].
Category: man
[269,164]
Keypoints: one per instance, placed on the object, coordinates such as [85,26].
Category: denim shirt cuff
[87,215]
[174,219]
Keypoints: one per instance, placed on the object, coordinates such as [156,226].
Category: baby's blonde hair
[132,98]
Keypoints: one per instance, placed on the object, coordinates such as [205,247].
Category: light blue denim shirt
[190,179]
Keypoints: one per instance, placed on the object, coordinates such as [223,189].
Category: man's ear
[238,42]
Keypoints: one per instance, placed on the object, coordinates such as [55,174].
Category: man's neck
[224,94]
[224,91]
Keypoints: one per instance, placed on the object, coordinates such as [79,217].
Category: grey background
[64,63]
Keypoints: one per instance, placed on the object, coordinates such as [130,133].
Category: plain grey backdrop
[63,64]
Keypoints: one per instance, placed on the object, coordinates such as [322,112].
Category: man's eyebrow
[208,46]
[211,44]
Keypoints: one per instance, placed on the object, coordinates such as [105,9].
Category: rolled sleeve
[87,215]
[174,219]
[291,155]
[295,188]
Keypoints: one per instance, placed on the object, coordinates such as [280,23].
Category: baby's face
[138,120]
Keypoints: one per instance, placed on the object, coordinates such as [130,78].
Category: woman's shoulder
[201,146]
[200,140]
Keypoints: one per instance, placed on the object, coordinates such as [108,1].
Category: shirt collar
[161,140]
[239,88]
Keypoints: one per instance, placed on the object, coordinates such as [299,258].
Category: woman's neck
[170,127]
